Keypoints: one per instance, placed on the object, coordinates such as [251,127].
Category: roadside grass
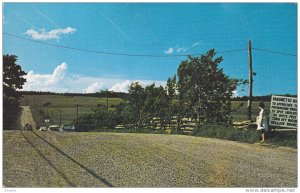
[133,130]
[226,133]
[282,138]
[276,138]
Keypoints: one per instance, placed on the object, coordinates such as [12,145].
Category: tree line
[103,93]
[200,91]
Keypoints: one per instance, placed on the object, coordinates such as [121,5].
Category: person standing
[261,121]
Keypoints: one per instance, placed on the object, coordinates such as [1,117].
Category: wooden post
[60,117]
[77,110]
[250,79]
[52,117]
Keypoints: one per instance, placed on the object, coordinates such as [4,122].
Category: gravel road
[66,159]
[26,117]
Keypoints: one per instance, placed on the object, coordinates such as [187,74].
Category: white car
[43,129]
[54,128]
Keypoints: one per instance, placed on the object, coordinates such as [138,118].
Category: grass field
[239,110]
[66,107]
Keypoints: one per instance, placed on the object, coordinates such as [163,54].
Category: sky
[158,31]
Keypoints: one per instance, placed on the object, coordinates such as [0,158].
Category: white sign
[283,111]
[47,120]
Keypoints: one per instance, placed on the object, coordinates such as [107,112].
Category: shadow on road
[102,180]
[49,162]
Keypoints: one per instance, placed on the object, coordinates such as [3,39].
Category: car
[43,129]
[54,128]
[28,127]
[68,128]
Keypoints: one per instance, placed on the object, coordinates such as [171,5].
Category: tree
[13,80]
[136,103]
[204,89]
[171,88]
[143,105]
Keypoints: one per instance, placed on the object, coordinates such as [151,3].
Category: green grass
[226,133]
[65,104]
[282,138]
[239,110]
[276,138]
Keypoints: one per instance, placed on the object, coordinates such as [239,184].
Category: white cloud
[95,87]
[45,82]
[60,80]
[169,51]
[121,87]
[196,44]
[181,49]
[53,34]
[124,86]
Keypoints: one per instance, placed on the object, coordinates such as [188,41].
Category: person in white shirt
[260,121]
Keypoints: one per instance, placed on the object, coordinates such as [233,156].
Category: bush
[227,133]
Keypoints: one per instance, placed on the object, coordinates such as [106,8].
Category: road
[96,159]
[26,117]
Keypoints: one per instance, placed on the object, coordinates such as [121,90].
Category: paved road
[26,117]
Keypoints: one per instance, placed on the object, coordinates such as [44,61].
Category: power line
[114,53]
[140,55]
[274,52]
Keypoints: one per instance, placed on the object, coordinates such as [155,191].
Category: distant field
[67,106]
[239,110]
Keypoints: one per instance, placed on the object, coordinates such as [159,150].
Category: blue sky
[149,29]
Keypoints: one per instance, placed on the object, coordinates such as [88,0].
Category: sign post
[283,112]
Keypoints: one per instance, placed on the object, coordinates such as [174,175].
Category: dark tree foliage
[205,92]
[143,105]
[13,80]
[102,118]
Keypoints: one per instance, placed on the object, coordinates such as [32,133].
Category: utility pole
[77,110]
[52,117]
[106,100]
[60,117]
[250,79]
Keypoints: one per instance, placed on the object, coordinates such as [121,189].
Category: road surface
[26,117]
[90,159]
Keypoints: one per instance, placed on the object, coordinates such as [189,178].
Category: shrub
[227,133]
